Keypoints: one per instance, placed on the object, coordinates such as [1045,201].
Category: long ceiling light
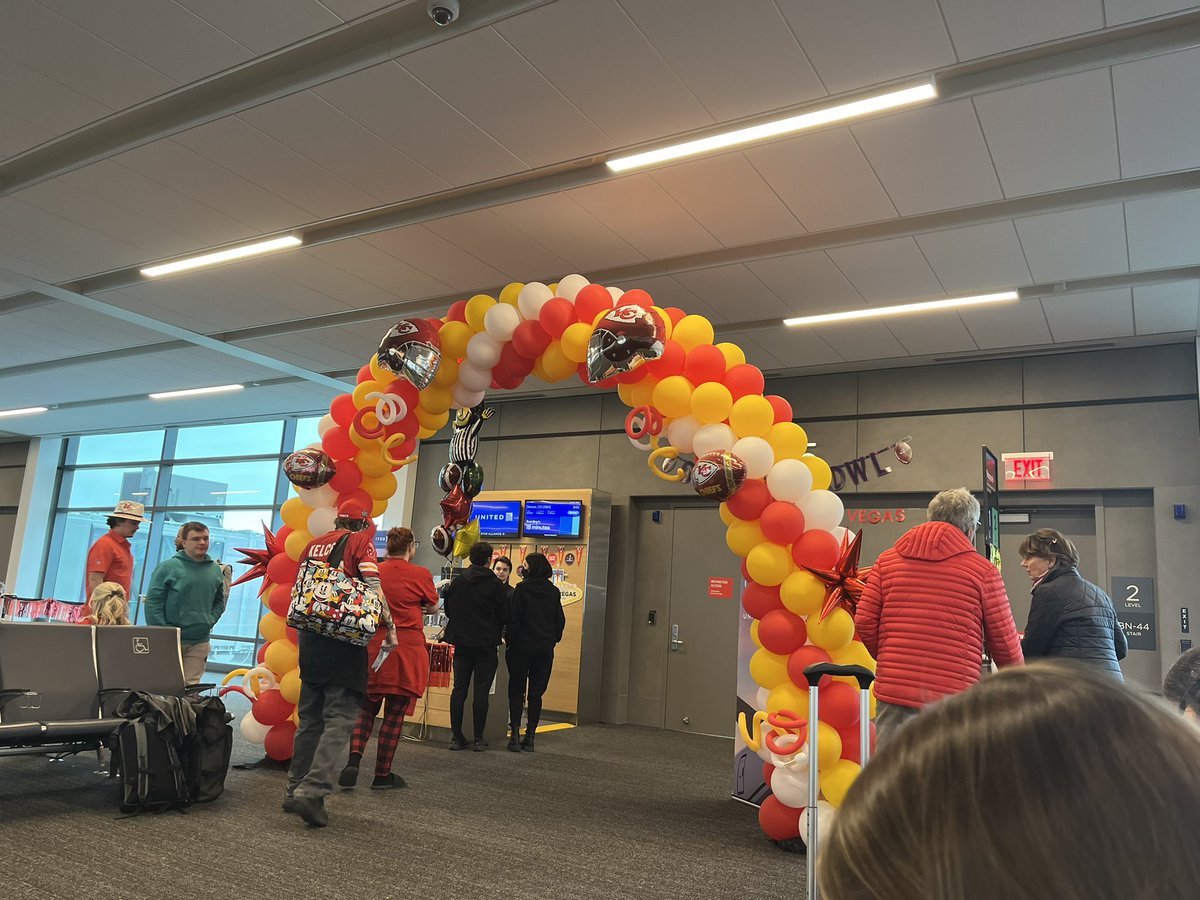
[877,312]
[194,392]
[212,259]
[842,112]
[26,411]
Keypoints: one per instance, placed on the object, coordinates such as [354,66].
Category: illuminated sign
[1027,466]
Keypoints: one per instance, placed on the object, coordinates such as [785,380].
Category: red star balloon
[257,558]
[843,583]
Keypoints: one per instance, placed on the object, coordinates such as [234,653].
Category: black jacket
[535,616]
[1071,618]
[476,606]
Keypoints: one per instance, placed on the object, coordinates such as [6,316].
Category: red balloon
[456,507]
[636,297]
[839,704]
[850,747]
[406,390]
[557,313]
[675,314]
[347,477]
[744,380]
[358,497]
[530,339]
[591,301]
[279,740]
[511,362]
[282,570]
[271,708]
[750,500]
[782,632]
[818,549]
[672,361]
[293,635]
[341,408]
[767,770]
[282,534]
[336,442]
[262,652]
[365,374]
[508,381]
[759,600]
[704,363]
[746,573]
[782,522]
[783,409]
[632,377]
[808,655]
[457,311]
[280,599]
[778,822]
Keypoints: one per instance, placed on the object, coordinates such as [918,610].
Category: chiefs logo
[628,313]
[303,460]
[402,328]
[704,470]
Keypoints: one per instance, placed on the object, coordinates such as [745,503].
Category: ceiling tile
[668,291]
[437,257]
[737,58]
[785,348]
[733,293]
[930,333]
[18,135]
[1078,243]
[1165,308]
[265,25]
[807,282]
[751,344]
[931,158]
[1164,231]
[888,271]
[1120,11]
[495,87]
[862,42]
[398,278]
[1158,116]
[636,208]
[566,229]
[1021,324]
[67,247]
[42,102]
[862,340]
[1085,317]
[729,198]
[824,179]
[981,28]
[486,236]
[1052,134]
[321,350]
[59,330]
[976,258]
[640,99]
[205,304]
[353,9]
[294,276]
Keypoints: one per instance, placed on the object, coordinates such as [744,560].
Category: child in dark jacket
[535,625]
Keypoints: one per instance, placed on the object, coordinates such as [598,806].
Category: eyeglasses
[416,545]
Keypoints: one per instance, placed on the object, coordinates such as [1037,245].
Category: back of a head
[1182,684]
[399,540]
[957,506]
[1052,545]
[1045,780]
[480,553]
[109,604]
[537,566]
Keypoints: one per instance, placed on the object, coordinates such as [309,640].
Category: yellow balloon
[829,745]
[511,292]
[272,627]
[381,488]
[556,364]
[769,564]
[788,440]
[643,391]
[281,656]
[453,337]
[726,516]
[854,653]
[836,780]
[289,686]
[833,632]
[692,331]
[673,396]
[378,508]
[711,402]
[363,443]
[625,392]
[378,372]
[360,392]
[436,399]
[753,632]
[295,543]
[734,355]
[788,697]
[752,416]
[575,342]
[477,307]
[768,669]
[424,433]
[447,372]
[295,514]
[372,464]
[432,421]
[742,537]
[802,593]
[821,473]
[668,325]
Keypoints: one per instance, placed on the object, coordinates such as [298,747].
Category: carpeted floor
[598,812]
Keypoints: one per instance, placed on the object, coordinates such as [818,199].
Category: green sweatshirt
[188,595]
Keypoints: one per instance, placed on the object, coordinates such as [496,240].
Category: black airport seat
[143,658]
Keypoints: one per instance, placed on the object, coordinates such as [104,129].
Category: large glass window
[114,448]
[242,439]
[221,484]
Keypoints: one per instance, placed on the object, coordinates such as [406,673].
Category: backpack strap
[338,552]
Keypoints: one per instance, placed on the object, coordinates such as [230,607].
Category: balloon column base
[791,845]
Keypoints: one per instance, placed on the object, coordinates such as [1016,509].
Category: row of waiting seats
[61,684]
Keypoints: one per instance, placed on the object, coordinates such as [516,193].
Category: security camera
[443,12]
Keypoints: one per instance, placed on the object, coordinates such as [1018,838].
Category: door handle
[676,643]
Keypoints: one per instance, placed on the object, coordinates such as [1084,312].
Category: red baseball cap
[353,509]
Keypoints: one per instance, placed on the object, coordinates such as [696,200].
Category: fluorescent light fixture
[840,113]
[139,494]
[26,411]
[878,312]
[227,493]
[211,259]
[193,392]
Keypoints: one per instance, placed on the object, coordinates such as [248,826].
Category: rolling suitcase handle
[814,674]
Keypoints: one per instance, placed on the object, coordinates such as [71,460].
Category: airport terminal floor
[597,812]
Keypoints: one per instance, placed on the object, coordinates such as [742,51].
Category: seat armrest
[198,688]
[6,696]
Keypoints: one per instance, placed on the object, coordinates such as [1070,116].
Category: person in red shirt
[111,557]
[403,674]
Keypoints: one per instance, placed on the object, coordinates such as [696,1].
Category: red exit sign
[1027,466]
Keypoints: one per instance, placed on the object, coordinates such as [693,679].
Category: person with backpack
[535,624]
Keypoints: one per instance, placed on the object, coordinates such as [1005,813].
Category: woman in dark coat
[1069,618]
[535,625]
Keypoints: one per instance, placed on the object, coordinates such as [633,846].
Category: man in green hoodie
[188,592]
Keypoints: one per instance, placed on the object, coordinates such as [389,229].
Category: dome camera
[443,12]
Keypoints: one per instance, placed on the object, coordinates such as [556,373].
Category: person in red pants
[402,677]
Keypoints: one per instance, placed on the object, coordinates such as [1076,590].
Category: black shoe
[479,746]
[458,743]
[311,810]
[289,804]
[387,782]
[349,776]
[527,742]
[514,741]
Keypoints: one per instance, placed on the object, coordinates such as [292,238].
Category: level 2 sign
[1133,600]
[721,587]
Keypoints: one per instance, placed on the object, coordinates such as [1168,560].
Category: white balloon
[315,445]
[681,432]
[253,730]
[615,293]
[791,480]
[472,378]
[822,509]
[531,299]
[570,285]
[825,814]
[483,351]
[465,399]
[790,785]
[325,424]
[841,533]
[500,321]
[320,521]
[762,697]
[713,437]
[314,498]
[756,454]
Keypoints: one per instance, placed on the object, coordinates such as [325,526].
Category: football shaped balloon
[450,475]
[411,349]
[624,339]
[442,540]
[472,478]
[718,475]
[309,468]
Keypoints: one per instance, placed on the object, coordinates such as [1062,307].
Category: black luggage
[147,760]
[207,757]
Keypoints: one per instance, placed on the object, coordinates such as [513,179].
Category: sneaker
[289,804]
[458,743]
[349,776]
[311,810]
[479,746]
[387,782]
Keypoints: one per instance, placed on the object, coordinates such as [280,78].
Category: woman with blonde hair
[1041,781]
[108,605]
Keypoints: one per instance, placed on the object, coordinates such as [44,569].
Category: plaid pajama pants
[389,732]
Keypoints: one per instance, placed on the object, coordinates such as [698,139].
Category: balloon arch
[697,409]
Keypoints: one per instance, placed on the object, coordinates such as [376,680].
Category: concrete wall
[13,455]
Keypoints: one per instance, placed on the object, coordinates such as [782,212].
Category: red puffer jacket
[930,605]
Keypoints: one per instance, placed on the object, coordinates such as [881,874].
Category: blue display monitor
[553,518]
[498,518]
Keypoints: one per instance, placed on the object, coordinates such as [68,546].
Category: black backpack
[206,757]
[152,776]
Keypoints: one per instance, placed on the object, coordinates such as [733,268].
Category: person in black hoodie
[475,604]
[535,625]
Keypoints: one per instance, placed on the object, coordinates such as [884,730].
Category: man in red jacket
[931,606]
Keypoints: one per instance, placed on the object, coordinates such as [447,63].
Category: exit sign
[1027,466]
